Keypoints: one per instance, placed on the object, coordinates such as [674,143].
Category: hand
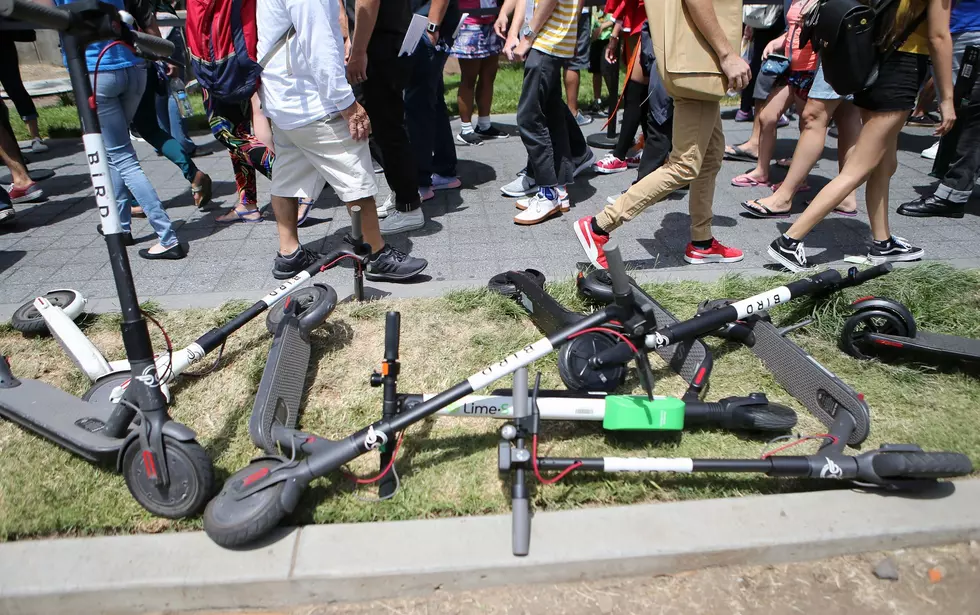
[509,46]
[357,67]
[170,69]
[520,52]
[595,33]
[948,112]
[770,48]
[347,48]
[433,37]
[357,121]
[611,48]
[500,26]
[747,32]
[737,72]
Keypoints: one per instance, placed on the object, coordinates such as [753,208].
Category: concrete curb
[319,564]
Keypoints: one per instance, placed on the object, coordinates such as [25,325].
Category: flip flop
[735,152]
[838,211]
[803,188]
[305,207]
[783,163]
[242,217]
[758,210]
[202,192]
[745,181]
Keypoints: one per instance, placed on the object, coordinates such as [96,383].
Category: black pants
[11,81]
[382,96]
[657,144]
[760,38]
[553,140]
[962,148]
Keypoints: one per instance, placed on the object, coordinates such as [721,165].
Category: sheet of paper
[416,30]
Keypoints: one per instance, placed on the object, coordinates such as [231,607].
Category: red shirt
[630,12]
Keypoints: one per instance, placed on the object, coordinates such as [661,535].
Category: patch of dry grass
[448,465]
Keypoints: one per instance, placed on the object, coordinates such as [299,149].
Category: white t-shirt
[306,79]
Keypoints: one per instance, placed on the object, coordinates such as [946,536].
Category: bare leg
[768,118]
[469,70]
[484,87]
[369,223]
[32,128]
[876,192]
[848,120]
[751,146]
[571,90]
[878,137]
[286,210]
[10,154]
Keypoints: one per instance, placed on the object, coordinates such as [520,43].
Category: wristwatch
[432,27]
[528,33]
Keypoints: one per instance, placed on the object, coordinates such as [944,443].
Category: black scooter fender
[890,306]
[172,429]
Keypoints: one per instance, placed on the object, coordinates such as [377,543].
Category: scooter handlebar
[617,270]
[151,46]
[45,16]
[855,277]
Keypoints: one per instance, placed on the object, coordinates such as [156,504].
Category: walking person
[697,148]
[576,64]
[885,107]
[22,188]
[319,132]
[477,48]
[603,70]
[13,85]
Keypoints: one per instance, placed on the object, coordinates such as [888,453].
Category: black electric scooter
[166,470]
[886,328]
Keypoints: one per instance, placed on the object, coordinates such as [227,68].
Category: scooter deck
[823,393]
[64,419]
[924,342]
[282,384]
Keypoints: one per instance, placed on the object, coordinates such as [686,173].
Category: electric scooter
[29,320]
[886,328]
[165,469]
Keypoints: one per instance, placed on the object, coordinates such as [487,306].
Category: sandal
[747,181]
[305,207]
[735,152]
[136,212]
[248,215]
[201,190]
[758,210]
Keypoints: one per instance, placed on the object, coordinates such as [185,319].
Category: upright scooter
[166,470]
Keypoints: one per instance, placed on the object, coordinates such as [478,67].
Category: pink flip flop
[745,181]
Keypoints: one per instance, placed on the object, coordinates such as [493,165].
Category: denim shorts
[821,90]
[898,83]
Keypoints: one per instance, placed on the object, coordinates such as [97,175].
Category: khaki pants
[698,149]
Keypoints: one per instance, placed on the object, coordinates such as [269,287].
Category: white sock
[483,122]
[467,128]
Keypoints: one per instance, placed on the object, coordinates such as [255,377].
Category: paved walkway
[469,235]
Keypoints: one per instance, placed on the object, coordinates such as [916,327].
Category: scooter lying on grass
[891,466]
[258,497]
[29,318]
[886,328]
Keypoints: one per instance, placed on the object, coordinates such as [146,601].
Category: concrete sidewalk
[335,563]
[469,235]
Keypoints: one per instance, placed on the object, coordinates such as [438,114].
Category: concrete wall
[47,49]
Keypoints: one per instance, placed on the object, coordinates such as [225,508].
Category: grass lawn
[62,121]
[448,465]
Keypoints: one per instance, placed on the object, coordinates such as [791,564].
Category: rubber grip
[25,10]
[355,223]
[521,525]
[520,398]
[152,45]
[921,465]
[854,277]
[617,270]
[763,417]
[393,325]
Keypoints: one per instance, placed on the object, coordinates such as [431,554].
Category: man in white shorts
[319,131]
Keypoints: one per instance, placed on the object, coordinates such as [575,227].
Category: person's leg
[10,153]
[13,85]
[572,80]
[848,120]
[469,71]
[443,148]
[577,63]
[767,119]
[230,126]
[419,113]
[532,120]
[146,124]
[657,145]
[484,89]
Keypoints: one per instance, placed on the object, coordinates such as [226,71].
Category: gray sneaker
[582,120]
[585,165]
[394,265]
[522,186]
[402,222]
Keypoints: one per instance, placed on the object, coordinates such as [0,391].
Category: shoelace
[901,242]
[800,254]
[397,254]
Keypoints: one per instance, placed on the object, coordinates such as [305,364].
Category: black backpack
[845,34]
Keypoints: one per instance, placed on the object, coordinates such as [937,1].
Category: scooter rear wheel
[873,320]
[27,319]
[315,304]
[191,479]
[231,522]
[578,375]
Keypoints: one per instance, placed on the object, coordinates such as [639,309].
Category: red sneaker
[23,195]
[633,161]
[611,164]
[717,253]
[591,243]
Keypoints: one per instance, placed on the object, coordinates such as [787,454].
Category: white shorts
[318,153]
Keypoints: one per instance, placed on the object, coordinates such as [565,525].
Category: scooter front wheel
[27,319]
[232,522]
[872,320]
[191,479]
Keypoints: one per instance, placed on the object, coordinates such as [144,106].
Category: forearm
[344,27]
[365,17]
[542,12]
[706,21]
[517,23]
[617,30]
[437,10]
[941,52]
[507,7]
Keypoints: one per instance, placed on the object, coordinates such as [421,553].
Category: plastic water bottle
[180,95]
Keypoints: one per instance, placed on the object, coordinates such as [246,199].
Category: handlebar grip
[393,323]
[151,45]
[45,16]
[620,354]
[355,223]
[617,270]
[856,277]
[521,525]
[520,393]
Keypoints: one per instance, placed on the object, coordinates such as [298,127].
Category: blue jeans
[169,118]
[427,117]
[118,96]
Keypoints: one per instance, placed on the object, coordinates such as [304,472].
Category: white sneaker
[402,222]
[37,146]
[540,208]
[565,204]
[387,207]
[522,186]
[932,152]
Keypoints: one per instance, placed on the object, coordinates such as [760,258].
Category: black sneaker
[285,267]
[895,250]
[394,265]
[468,138]
[789,254]
[931,206]
[491,133]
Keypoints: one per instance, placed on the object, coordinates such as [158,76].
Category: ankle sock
[376,255]
[467,128]
[483,122]
[597,229]
[702,245]
[882,244]
[789,241]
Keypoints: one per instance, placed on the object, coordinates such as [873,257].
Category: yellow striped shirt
[557,36]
